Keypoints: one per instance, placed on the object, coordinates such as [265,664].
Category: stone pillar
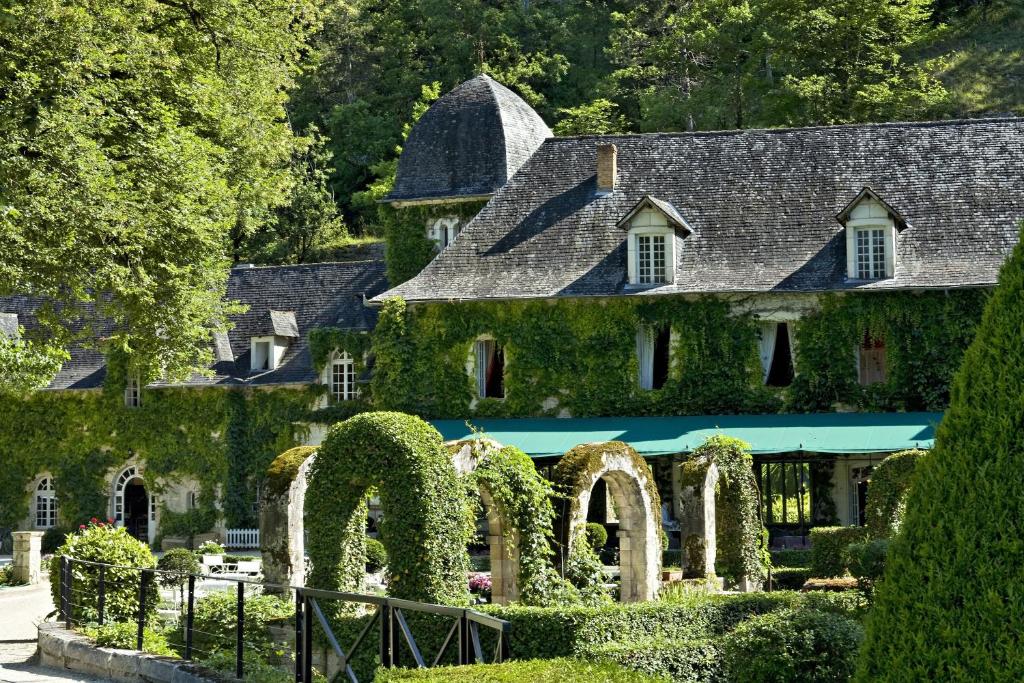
[28,547]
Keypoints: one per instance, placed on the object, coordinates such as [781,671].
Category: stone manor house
[809,291]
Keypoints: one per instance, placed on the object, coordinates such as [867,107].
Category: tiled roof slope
[320,295]
[763,206]
[469,143]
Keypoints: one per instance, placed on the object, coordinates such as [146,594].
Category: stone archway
[282,528]
[697,482]
[631,484]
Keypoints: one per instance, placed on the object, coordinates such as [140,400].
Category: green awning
[650,436]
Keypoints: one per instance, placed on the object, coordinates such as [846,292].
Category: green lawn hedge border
[828,548]
[887,494]
[536,671]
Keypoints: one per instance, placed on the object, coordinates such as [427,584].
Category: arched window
[126,477]
[46,504]
[443,231]
[343,376]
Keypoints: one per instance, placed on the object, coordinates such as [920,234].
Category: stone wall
[28,556]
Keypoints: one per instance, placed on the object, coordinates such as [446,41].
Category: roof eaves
[664,207]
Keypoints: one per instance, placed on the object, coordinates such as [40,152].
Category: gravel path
[21,609]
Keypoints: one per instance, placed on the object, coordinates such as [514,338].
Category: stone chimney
[606,167]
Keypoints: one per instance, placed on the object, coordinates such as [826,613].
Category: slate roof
[762,203]
[291,299]
[468,144]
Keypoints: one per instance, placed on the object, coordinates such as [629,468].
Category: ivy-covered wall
[408,249]
[222,438]
[582,352]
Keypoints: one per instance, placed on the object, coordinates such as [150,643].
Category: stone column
[28,546]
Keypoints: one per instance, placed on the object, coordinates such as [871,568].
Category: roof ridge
[743,131]
[282,266]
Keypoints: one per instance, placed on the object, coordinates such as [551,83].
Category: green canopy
[814,432]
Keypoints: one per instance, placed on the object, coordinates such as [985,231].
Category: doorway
[136,510]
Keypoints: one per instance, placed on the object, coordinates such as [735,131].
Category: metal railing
[395,640]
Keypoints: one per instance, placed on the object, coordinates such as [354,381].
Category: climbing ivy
[409,249]
[223,438]
[427,522]
[739,531]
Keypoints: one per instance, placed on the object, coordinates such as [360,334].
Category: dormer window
[442,231]
[132,392]
[343,377]
[655,228]
[263,356]
[871,227]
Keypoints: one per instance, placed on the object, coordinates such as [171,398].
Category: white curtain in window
[483,358]
[766,347]
[645,356]
[791,331]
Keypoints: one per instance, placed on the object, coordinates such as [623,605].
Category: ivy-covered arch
[887,493]
[283,500]
[731,543]
[631,485]
[425,527]
[517,501]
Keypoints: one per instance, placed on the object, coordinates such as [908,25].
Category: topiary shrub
[791,557]
[682,661]
[178,563]
[798,646]
[867,562]
[427,521]
[596,535]
[101,542]
[376,555]
[789,578]
[887,494]
[828,548]
[950,605]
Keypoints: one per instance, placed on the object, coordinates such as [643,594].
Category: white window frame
[271,356]
[45,508]
[650,223]
[342,376]
[443,231]
[133,392]
[866,218]
[127,475]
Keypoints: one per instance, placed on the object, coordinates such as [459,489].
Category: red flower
[101,525]
[81,526]
[94,520]
[110,520]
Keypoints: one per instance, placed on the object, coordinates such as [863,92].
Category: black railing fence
[97,594]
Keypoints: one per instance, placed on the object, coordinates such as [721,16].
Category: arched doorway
[133,507]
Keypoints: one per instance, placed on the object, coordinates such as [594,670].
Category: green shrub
[536,671]
[828,548]
[672,558]
[887,494]
[216,616]
[798,646]
[256,668]
[867,562]
[789,578]
[791,557]
[178,563]
[683,661]
[596,535]
[950,606]
[54,538]
[850,604]
[124,636]
[211,548]
[376,555]
[99,542]
[7,576]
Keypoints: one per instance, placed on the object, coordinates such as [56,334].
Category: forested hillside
[596,66]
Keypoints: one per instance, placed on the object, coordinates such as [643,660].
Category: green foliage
[682,661]
[867,562]
[99,542]
[216,619]
[951,581]
[887,494]
[257,670]
[596,535]
[7,576]
[376,555]
[793,557]
[179,562]
[925,335]
[210,548]
[539,671]
[53,538]
[793,645]
[523,500]
[425,527]
[585,572]
[599,117]
[124,636]
[140,142]
[217,436]
[828,548]
[739,538]
[285,468]
[409,249]
[789,578]
[26,365]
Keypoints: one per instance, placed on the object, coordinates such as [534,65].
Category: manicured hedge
[537,671]
[789,578]
[887,495]
[950,607]
[828,548]
[683,661]
[791,557]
